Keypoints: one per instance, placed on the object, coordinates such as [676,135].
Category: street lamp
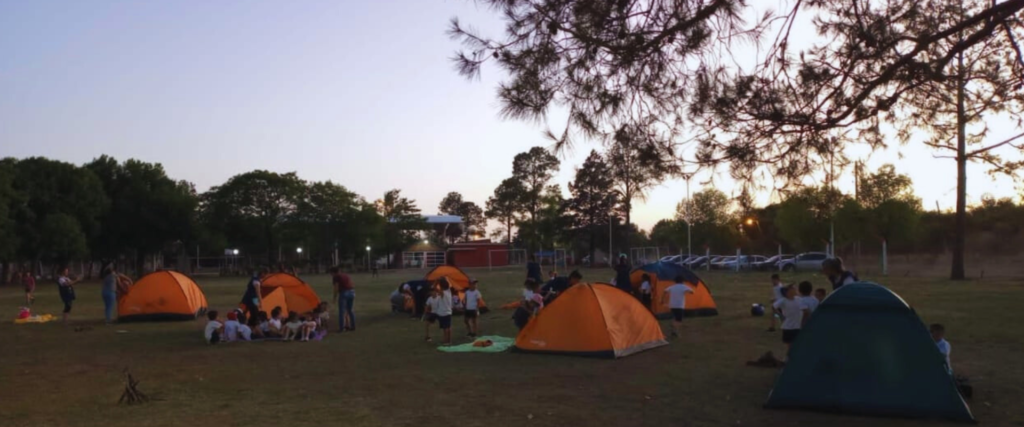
[426,242]
[367,257]
[235,252]
[298,250]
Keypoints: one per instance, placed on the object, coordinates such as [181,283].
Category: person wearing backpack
[833,269]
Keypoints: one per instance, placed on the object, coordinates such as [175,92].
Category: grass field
[385,374]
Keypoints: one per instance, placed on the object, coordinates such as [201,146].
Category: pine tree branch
[996,145]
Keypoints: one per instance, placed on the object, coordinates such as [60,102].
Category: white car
[808,261]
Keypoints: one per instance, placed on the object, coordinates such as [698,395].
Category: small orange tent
[275,298]
[162,295]
[456,278]
[593,320]
[662,275]
[298,295]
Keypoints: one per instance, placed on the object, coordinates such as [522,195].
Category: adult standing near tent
[109,292]
[833,269]
[253,299]
[622,270]
[66,288]
[345,294]
[533,270]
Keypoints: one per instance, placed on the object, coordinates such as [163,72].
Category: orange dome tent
[456,278]
[594,320]
[663,275]
[162,295]
[297,295]
[275,298]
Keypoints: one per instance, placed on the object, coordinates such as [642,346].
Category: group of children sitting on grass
[442,303]
[259,326]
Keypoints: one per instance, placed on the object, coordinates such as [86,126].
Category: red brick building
[480,253]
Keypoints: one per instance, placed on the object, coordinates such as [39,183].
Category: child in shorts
[444,312]
[795,313]
[472,309]
[429,314]
[645,291]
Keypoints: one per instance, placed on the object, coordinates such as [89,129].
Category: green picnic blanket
[500,344]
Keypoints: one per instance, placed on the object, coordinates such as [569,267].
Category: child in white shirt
[675,296]
[214,329]
[234,330]
[645,291]
[939,335]
[805,295]
[292,327]
[795,313]
[473,298]
[444,312]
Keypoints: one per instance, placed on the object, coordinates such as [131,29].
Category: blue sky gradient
[359,92]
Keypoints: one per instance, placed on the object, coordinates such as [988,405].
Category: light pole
[689,204]
[367,257]
[610,233]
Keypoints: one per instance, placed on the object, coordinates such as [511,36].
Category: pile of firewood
[131,394]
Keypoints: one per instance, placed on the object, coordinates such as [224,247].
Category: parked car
[697,262]
[745,262]
[771,263]
[672,258]
[722,262]
[808,261]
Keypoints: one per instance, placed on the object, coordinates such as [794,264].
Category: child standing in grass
[214,329]
[444,312]
[645,291]
[795,313]
[939,335]
[430,311]
[66,289]
[805,296]
[29,282]
[675,296]
[472,309]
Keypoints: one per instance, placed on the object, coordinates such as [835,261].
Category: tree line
[534,215]
[53,212]
[663,75]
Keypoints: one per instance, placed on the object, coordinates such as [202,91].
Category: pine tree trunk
[593,239]
[629,229]
[960,228]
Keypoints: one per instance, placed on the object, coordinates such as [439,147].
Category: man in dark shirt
[556,286]
[533,270]
[622,270]
[344,294]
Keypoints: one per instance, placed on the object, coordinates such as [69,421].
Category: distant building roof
[443,219]
[440,219]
